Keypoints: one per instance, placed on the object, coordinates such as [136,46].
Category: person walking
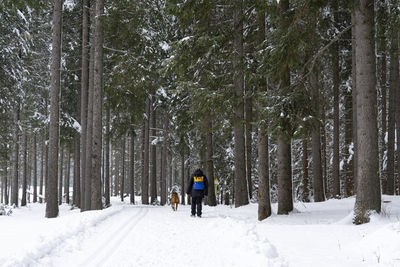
[197,189]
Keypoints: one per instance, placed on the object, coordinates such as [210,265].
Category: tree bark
[264,201]
[132,167]
[171,166]
[211,200]
[323,150]
[5,198]
[51,191]
[285,198]
[34,168]
[25,170]
[354,95]
[183,177]
[394,117]
[3,181]
[76,198]
[336,83]
[396,84]
[318,184]
[122,179]
[368,188]
[117,164]
[15,161]
[107,170]
[382,69]
[153,155]
[305,182]
[164,162]
[60,176]
[89,131]
[143,137]
[84,100]
[42,173]
[249,130]
[145,178]
[188,199]
[348,170]
[67,177]
[96,203]
[241,192]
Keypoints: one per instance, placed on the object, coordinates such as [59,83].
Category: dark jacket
[197,193]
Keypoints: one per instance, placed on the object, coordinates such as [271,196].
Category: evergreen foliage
[186,57]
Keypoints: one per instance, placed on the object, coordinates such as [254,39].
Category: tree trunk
[183,177]
[117,164]
[264,201]
[336,83]
[42,173]
[354,95]
[211,200]
[348,172]
[15,169]
[96,203]
[51,190]
[368,188]
[132,167]
[25,167]
[323,150]
[188,198]
[107,170]
[305,194]
[396,83]
[241,192]
[145,178]
[89,131]
[142,154]
[67,177]
[381,49]
[164,162]
[285,198]
[60,176]
[2,188]
[122,180]
[249,130]
[34,169]
[394,117]
[153,155]
[76,198]
[318,184]
[5,181]
[84,100]
[46,177]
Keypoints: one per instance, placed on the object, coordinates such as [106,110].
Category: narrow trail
[105,250]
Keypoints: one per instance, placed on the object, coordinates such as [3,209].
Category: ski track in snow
[114,240]
[47,247]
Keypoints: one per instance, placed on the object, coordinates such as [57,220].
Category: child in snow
[197,189]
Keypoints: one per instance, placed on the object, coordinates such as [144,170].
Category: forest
[277,101]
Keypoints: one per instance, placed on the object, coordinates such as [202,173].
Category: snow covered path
[315,234]
[157,236]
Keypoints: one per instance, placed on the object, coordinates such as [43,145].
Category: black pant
[196,202]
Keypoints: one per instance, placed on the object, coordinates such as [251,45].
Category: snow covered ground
[315,234]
